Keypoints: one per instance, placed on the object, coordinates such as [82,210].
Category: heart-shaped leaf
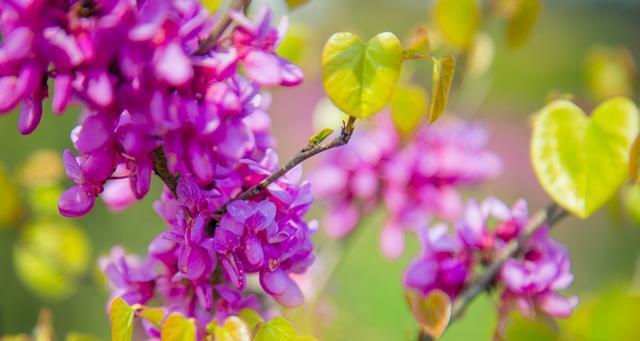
[433,312]
[458,21]
[121,320]
[581,162]
[408,107]
[233,329]
[359,77]
[178,328]
[521,22]
[442,78]
[153,315]
[275,329]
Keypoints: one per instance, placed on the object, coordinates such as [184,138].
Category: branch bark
[162,170]
[546,217]
[221,26]
[301,156]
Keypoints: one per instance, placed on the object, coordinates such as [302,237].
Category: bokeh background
[365,300]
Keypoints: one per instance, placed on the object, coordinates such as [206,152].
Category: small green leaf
[521,22]
[458,21]
[408,107]
[153,315]
[442,79]
[359,77]
[277,329]
[121,320]
[318,137]
[178,328]
[581,162]
[433,312]
[419,47]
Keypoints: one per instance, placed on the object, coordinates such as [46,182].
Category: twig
[221,26]
[546,217]
[162,170]
[302,155]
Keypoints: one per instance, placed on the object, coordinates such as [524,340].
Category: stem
[162,170]
[302,155]
[221,26]
[546,217]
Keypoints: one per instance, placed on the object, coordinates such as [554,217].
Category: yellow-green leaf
[178,328]
[634,161]
[318,137]
[458,21]
[250,317]
[433,312]
[295,3]
[51,257]
[582,161]
[359,77]
[522,21]
[9,200]
[609,72]
[122,316]
[211,5]
[153,315]
[233,329]
[442,78]
[277,329]
[408,107]
[75,336]
[419,47]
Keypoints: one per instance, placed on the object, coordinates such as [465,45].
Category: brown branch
[301,156]
[221,26]
[546,217]
[162,170]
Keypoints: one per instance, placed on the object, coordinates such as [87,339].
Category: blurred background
[49,261]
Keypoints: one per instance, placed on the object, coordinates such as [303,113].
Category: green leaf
[318,137]
[408,107]
[233,329]
[433,312]
[458,21]
[359,77]
[178,328]
[581,162]
[9,200]
[419,47]
[277,329]
[442,79]
[122,316]
[211,5]
[522,21]
[51,257]
[250,317]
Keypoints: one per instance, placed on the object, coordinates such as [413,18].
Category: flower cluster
[149,96]
[416,181]
[530,282]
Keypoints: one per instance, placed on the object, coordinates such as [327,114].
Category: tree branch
[162,170]
[221,26]
[301,156]
[546,217]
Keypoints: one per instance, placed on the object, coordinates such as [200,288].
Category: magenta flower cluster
[530,283]
[416,181]
[146,91]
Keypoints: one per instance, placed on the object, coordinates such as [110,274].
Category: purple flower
[130,278]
